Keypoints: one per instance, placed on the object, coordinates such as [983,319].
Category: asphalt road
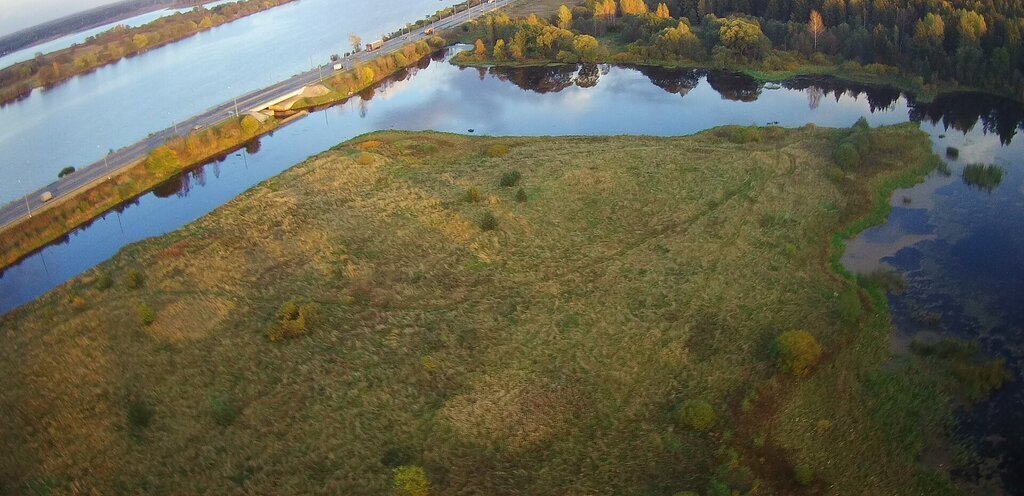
[125,157]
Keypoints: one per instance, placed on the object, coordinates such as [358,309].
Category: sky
[19,14]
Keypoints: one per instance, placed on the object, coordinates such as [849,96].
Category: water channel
[78,122]
[961,247]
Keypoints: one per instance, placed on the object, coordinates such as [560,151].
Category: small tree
[797,351]
[488,222]
[66,171]
[480,50]
[564,17]
[499,50]
[697,414]
[662,11]
[817,26]
[355,41]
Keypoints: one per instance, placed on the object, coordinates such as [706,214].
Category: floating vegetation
[983,177]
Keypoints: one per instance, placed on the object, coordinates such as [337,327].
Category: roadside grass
[552,354]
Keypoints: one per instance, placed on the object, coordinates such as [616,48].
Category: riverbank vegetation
[660,315]
[47,70]
[57,219]
[344,85]
[923,49]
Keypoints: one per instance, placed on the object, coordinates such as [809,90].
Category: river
[960,247]
[66,41]
[78,122]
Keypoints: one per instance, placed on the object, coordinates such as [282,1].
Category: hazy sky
[20,14]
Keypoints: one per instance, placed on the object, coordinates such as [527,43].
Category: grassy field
[563,333]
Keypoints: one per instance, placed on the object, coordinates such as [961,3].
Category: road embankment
[70,211]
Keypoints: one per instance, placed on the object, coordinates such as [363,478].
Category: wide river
[960,247]
[77,122]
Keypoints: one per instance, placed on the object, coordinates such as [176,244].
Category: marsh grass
[983,177]
[547,358]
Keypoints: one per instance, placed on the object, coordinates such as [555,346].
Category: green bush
[495,151]
[952,152]
[472,195]
[66,172]
[846,156]
[223,410]
[146,315]
[696,414]
[488,222]
[140,415]
[803,475]
[104,281]
[510,178]
[292,320]
[410,480]
[134,279]
[797,352]
[521,195]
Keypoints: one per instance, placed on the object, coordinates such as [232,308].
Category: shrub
[696,414]
[292,320]
[495,151]
[65,172]
[472,195]
[364,159]
[140,415]
[803,475]
[797,352]
[952,152]
[223,410]
[846,156]
[78,303]
[134,279]
[510,178]
[521,195]
[410,480]
[104,282]
[146,315]
[488,222]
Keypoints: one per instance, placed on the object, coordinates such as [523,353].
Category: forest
[922,43]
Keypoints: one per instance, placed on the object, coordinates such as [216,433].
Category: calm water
[79,37]
[76,123]
[961,248]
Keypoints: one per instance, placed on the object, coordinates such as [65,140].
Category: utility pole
[27,206]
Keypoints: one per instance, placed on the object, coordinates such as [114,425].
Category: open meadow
[427,313]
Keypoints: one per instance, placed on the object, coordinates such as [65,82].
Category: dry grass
[544,357]
[542,8]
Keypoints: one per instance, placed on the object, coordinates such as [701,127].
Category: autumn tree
[816,26]
[605,10]
[972,26]
[564,17]
[355,41]
[662,11]
[499,50]
[741,36]
[480,50]
[586,47]
[633,7]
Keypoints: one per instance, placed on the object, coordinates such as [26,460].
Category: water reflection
[961,249]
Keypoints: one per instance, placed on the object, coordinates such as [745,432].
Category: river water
[66,41]
[960,247]
[78,122]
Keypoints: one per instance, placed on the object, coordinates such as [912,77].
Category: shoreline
[902,83]
[138,182]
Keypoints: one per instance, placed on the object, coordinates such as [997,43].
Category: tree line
[975,44]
